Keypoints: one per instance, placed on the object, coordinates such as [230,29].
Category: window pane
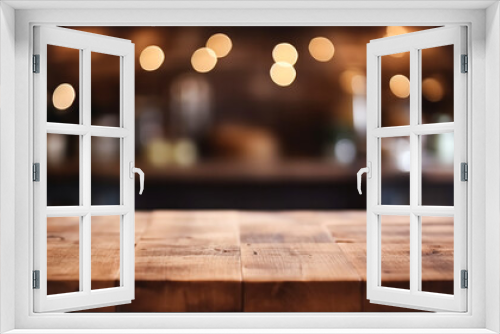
[437,84]
[437,254]
[395,169]
[105,237]
[395,254]
[63,255]
[437,169]
[63,170]
[395,89]
[63,84]
[105,89]
[105,171]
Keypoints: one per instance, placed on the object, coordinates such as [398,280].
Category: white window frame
[483,314]
[413,43]
[85,44]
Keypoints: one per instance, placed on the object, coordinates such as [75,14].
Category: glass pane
[395,169]
[63,84]
[105,237]
[437,254]
[105,171]
[63,170]
[63,255]
[437,169]
[105,89]
[395,251]
[395,89]
[437,84]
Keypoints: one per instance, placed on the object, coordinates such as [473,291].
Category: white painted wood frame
[414,43]
[483,20]
[85,43]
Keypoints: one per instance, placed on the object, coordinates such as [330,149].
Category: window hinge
[464,171]
[36,172]
[465,64]
[36,63]
[465,279]
[36,279]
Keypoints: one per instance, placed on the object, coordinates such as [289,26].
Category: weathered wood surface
[230,261]
[190,264]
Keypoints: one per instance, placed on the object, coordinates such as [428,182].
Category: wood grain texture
[63,255]
[188,263]
[302,277]
[283,227]
[230,261]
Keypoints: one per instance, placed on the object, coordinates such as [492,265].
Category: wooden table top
[233,261]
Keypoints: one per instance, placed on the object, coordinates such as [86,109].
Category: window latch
[368,171]
[133,170]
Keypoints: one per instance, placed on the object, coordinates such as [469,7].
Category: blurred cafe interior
[250,118]
[250,139]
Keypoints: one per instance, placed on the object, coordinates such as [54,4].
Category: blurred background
[255,118]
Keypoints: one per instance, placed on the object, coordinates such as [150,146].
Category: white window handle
[368,171]
[141,176]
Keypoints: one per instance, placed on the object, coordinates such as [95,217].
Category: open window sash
[414,43]
[85,43]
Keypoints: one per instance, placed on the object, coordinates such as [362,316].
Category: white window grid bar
[418,210]
[82,130]
[418,129]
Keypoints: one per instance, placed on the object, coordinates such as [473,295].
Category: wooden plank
[437,268]
[193,227]
[304,277]
[188,262]
[63,253]
[437,261]
[63,249]
[142,220]
[289,261]
[351,228]
[282,227]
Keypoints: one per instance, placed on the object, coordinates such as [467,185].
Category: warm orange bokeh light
[203,60]
[221,44]
[432,89]
[286,53]
[151,58]
[400,86]
[321,49]
[64,96]
[283,74]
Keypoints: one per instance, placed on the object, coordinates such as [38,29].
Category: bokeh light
[353,81]
[432,89]
[159,152]
[203,60]
[321,49]
[64,96]
[151,58]
[398,55]
[221,44]
[282,74]
[185,152]
[286,53]
[400,86]
[395,30]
